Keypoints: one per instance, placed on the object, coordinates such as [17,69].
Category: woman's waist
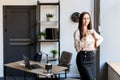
[87,54]
[87,51]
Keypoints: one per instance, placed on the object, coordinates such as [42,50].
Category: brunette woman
[86,40]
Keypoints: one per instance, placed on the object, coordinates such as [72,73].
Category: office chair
[38,57]
[64,61]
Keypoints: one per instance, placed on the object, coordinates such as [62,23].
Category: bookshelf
[51,28]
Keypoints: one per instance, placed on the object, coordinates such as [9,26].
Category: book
[52,33]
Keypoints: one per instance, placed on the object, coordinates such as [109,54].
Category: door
[19,34]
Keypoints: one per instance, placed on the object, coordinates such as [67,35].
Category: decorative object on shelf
[52,33]
[49,16]
[54,52]
[75,17]
[42,35]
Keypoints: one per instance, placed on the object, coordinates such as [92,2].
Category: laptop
[28,65]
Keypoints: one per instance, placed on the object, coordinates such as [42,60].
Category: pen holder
[48,67]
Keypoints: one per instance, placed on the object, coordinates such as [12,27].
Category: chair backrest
[65,57]
[38,57]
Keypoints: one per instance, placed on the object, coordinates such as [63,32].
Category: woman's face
[86,20]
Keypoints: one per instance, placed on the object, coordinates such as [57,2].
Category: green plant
[54,51]
[49,15]
[41,34]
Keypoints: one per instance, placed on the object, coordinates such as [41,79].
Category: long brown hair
[80,27]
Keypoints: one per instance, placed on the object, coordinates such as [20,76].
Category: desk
[17,65]
[113,70]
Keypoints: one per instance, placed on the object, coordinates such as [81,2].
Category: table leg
[65,73]
[25,75]
[4,72]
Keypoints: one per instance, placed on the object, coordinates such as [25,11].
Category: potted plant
[54,52]
[49,16]
[42,35]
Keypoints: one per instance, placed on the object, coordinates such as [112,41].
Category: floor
[72,79]
[28,78]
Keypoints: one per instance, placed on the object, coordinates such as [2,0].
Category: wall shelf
[48,40]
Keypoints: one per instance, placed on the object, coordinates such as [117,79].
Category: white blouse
[87,43]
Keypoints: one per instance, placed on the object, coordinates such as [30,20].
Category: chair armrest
[64,65]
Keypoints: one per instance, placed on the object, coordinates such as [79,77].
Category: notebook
[28,65]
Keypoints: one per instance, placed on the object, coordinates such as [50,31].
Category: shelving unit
[51,28]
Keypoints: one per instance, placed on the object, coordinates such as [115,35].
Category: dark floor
[28,78]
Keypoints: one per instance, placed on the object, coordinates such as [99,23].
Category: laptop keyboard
[35,66]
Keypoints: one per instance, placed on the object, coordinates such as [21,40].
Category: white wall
[1,42]
[67,26]
[110,30]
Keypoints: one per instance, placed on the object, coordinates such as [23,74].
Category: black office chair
[38,57]
[64,61]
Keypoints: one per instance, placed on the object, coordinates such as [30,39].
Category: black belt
[87,51]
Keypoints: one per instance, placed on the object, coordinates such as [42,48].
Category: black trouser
[86,65]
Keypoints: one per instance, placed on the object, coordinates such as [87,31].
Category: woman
[86,40]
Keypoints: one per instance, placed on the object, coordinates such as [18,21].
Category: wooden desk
[17,65]
[113,70]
